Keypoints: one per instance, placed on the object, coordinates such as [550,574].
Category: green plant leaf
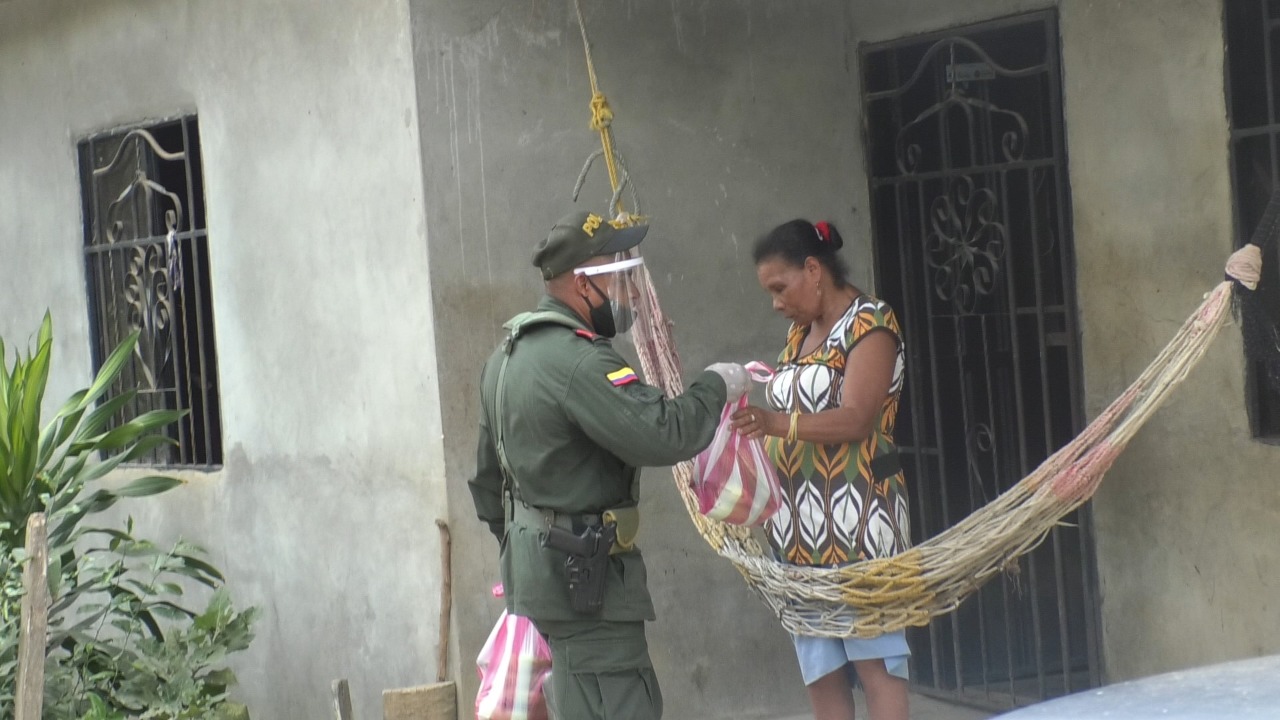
[19,484]
[67,521]
[145,445]
[223,678]
[142,447]
[140,548]
[95,421]
[109,532]
[203,568]
[111,368]
[81,474]
[45,335]
[55,575]
[170,588]
[4,373]
[65,421]
[69,482]
[170,613]
[150,485]
[129,431]
[36,380]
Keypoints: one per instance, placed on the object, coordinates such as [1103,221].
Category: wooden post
[446,600]
[341,700]
[35,621]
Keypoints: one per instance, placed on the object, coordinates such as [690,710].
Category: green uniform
[576,428]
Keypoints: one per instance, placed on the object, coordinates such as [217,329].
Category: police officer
[566,425]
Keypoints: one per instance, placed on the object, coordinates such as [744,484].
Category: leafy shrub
[123,640]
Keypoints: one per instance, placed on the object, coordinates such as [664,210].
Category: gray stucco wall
[733,117]
[1184,578]
[1187,574]
[324,513]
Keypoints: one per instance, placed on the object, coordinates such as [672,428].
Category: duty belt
[540,519]
[537,518]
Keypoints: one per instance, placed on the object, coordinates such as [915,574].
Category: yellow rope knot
[601,115]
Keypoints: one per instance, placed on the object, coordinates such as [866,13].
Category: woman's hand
[754,422]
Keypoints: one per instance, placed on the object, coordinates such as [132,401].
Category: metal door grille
[970,210]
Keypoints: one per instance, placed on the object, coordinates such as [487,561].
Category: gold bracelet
[795,423]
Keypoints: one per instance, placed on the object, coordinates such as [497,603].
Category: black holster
[587,565]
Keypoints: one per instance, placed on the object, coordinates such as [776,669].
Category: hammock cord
[869,598]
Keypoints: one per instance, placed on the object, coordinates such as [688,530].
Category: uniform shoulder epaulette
[526,321]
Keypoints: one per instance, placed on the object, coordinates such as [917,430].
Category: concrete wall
[733,116]
[1185,579]
[1187,576]
[323,514]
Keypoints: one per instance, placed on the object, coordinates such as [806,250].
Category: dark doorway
[972,235]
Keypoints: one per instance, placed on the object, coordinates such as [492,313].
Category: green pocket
[631,694]
[619,651]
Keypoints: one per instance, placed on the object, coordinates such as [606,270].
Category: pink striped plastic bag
[734,479]
[514,664]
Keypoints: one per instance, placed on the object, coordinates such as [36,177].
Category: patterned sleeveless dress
[834,509]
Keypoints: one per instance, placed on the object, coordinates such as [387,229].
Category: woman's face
[793,289]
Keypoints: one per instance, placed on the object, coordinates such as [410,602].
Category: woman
[829,431]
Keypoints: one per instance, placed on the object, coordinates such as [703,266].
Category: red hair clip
[824,231]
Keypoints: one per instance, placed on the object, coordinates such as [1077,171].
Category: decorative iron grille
[1251,28]
[971,229]
[147,265]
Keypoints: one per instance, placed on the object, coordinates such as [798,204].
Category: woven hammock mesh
[872,597]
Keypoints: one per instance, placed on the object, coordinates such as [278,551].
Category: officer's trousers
[601,671]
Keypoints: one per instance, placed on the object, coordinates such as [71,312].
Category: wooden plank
[438,701]
[341,700]
[35,621]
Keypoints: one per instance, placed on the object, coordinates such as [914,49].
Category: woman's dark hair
[798,240]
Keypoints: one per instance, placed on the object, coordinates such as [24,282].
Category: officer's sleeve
[486,486]
[635,421]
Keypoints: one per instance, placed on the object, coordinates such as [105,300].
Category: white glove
[736,380]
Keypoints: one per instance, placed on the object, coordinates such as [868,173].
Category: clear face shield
[617,287]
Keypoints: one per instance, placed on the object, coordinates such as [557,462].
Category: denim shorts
[821,656]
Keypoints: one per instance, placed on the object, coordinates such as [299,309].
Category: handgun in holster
[587,565]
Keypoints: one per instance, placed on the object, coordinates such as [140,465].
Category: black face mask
[623,317]
[601,316]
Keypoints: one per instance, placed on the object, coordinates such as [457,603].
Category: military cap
[580,236]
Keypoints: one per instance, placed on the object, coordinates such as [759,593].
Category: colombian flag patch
[622,377]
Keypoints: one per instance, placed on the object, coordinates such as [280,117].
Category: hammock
[873,597]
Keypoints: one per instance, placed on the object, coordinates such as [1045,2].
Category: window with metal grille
[1253,106]
[146,251]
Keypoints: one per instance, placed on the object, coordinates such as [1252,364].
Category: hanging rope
[602,123]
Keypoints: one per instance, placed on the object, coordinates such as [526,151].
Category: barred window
[1253,105]
[146,251]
